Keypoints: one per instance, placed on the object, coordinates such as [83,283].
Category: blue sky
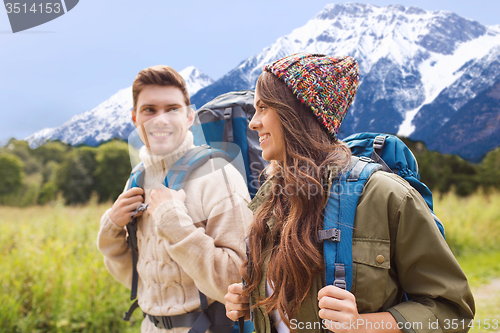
[67,66]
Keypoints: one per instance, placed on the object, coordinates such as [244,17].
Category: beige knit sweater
[183,247]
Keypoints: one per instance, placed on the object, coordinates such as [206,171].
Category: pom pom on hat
[326,84]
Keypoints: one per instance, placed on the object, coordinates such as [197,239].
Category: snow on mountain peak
[370,33]
[407,58]
[195,79]
[418,69]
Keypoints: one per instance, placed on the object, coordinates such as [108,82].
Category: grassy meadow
[52,276]
[53,279]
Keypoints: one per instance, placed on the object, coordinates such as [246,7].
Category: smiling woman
[393,246]
[266,122]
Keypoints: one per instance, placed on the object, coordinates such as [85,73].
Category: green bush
[112,171]
[22,150]
[49,171]
[29,195]
[11,176]
[48,193]
[74,180]
[489,170]
[51,151]
[442,172]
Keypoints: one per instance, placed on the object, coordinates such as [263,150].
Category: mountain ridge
[418,68]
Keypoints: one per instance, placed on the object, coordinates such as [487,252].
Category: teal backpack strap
[338,225]
[136,180]
[136,176]
[179,172]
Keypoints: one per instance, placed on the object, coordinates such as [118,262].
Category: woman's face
[266,121]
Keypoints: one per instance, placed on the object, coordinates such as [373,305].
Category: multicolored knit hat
[326,84]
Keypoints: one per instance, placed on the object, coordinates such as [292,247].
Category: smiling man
[162,118]
[189,241]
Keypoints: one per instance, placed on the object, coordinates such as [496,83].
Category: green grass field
[53,278]
[472,227]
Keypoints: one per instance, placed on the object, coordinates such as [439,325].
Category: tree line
[38,176]
[443,173]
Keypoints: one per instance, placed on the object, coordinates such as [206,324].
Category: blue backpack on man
[225,119]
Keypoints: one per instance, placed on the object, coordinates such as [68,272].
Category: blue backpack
[225,119]
[371,152]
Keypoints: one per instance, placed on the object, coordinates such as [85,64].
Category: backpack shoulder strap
[194,158]
[338,225]
[136,180]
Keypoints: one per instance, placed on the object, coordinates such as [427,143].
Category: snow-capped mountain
[195,79]
[110,119]
[418,68]
[420,71]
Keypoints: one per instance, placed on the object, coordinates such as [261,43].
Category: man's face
[162,118]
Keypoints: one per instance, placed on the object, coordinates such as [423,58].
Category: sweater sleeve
[112,243]
[210,252]
[428,272]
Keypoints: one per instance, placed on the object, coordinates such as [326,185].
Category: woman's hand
[122,211]
[339,308]
[158,196]
[237,306]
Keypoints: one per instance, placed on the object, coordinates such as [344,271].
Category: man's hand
[123,209]
[158,196]
[237,306]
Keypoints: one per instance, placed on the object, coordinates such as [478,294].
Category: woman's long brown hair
[296,201]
